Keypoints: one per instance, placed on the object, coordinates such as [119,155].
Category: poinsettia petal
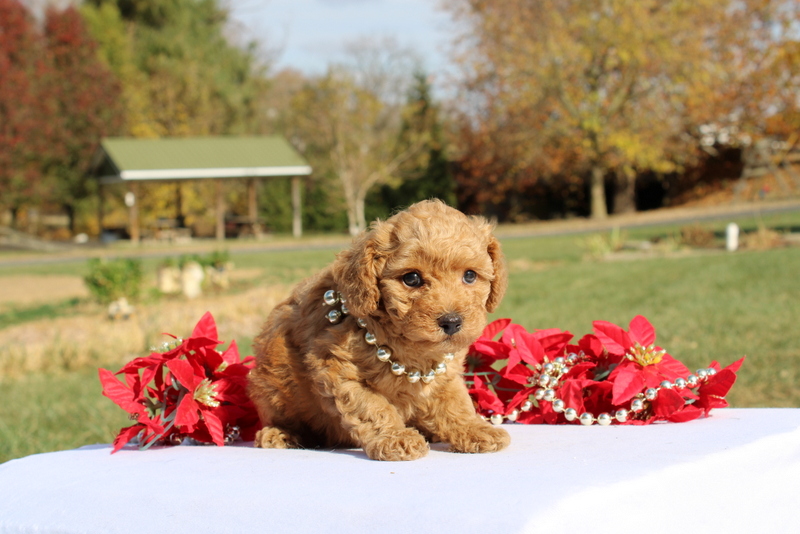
[734,367]
[231,354]
[688,413]
[117,392]
[572,394]
[125,436]
[531,350]
[718,385]
[184,372]
[628,381]
[671,368]
[494,328]
[613,338]
[591,345]
[641,331]
[206,327]
[215,427]
[667,403]
[187,415]
[491,349]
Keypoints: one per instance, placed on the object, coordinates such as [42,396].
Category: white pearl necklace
[383,353]
[551,372]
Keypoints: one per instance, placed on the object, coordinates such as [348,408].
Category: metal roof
[125,159]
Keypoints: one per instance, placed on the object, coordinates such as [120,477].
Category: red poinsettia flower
[643,365]
[190,390]
[612,371]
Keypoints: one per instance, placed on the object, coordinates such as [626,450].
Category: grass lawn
[705,306]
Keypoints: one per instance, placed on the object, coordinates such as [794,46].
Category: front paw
[271,437]
[394,446]
[482,437]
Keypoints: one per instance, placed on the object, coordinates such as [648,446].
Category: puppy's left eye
[470,276]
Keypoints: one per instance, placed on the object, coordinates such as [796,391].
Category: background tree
[85,104]
[181,77]
[24,126]
[613,82]
[348,123]
[427,174]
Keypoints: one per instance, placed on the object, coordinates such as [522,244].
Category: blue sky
[309,34]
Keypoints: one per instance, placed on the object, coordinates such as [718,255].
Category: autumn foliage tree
[24,132]
[85,103]
[608,89]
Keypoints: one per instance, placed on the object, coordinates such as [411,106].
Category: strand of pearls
[383,353]
[550,374]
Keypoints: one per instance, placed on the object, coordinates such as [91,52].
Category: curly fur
[320,385]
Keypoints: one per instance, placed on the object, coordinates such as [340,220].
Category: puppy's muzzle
[450,323]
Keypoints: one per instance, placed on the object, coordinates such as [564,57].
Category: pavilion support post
[220,209]
[297,215]
[133,214]
[101,207]
[252,206]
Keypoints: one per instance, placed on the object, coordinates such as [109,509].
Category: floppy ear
[500,282]
[356,273]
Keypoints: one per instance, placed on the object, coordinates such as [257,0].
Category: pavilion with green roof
[136,161]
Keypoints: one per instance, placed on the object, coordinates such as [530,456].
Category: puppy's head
[429,274]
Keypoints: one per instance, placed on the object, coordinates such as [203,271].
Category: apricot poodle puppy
[369,352]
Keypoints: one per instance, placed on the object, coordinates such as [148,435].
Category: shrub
[110,280]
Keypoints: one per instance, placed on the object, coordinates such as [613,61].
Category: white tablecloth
[737,471]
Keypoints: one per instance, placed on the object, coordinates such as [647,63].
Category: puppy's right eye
[412,279]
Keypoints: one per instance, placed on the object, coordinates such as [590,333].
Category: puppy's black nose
[450,323]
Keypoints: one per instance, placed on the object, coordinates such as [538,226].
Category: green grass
[22,314]
[47,412]
[710,306]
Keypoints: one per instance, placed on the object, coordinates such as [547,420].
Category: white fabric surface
[737,471]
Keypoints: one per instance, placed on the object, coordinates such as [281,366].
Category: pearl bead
[548,368]
[398,368]
[666,384]
[543,381]
[513,415]
[496,419]
[692,381]
[428,377]
[603,419]
[549,395]
[384,353]
[702,374]
[440,368]
[369,337]
[651,394]
[538,394]
[361,322]
[558,406]
[345,309]
[526,406]
[711,371]
[330,297]
[334,316]
[553,382]
[637,405]
[175,439]
[570,414]
[559,361]
[413,376]
[680,383]
[621,415]
[449,357]
[586,419]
